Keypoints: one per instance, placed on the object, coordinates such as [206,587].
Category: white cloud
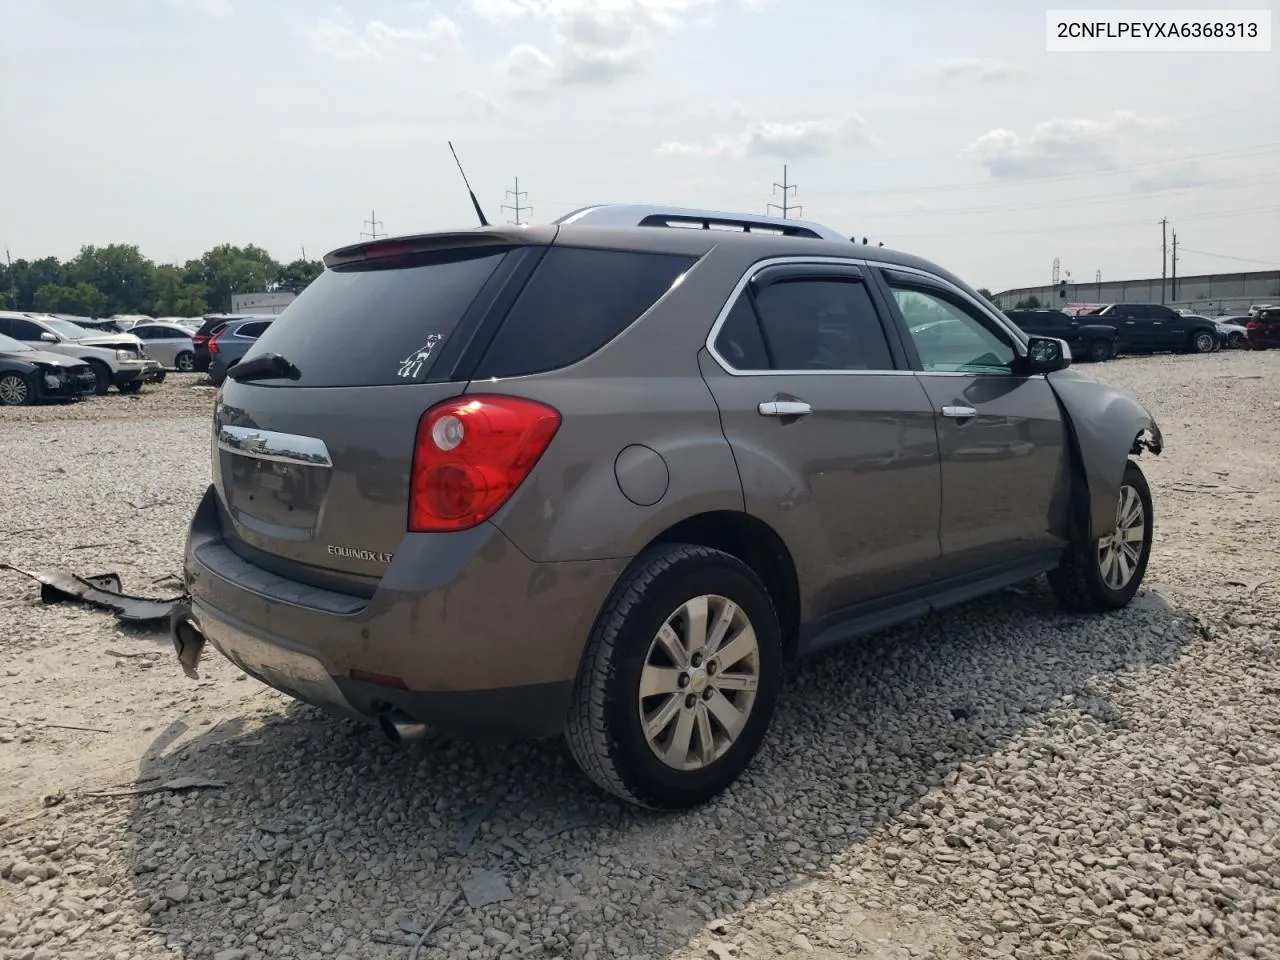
[1057,146]
[973,68]
[214,8]
[590,41]
[378,41]
[795,139]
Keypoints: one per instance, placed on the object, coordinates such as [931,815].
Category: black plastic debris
[103,590]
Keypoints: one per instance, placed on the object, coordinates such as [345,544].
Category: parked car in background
[604,478]
[116,358]
[1234,334]
[128,320]
[1263,329]
[208,326]
[29,375]
[168,343]
[1152,327]
[230,342]
[1088,341]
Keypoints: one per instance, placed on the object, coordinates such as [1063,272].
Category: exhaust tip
[401,728]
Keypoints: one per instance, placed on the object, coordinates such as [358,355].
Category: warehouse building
[1211,294]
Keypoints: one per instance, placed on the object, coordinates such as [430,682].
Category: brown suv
[602,478]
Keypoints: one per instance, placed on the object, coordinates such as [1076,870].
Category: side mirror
[1047,354]
[48,337]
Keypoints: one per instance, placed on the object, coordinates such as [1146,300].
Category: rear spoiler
[450,240]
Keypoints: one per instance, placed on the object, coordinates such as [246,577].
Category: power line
[786,189]
[517,194]
[373,223]
[1223,256]
[1063,228]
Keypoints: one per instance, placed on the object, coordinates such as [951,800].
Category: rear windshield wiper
[268,366]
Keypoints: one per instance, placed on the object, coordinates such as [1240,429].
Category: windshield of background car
[67,329]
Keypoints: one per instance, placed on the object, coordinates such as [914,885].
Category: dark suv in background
[602,478]
[1152,327]
[1088,341]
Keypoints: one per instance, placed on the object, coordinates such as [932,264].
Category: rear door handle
[959,413]
[784,408]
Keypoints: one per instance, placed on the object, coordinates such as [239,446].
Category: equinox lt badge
[355,553]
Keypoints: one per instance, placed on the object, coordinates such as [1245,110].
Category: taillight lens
[1252,325]
[213,342]
[470,455]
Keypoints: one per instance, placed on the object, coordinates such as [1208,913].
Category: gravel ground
[1004,780]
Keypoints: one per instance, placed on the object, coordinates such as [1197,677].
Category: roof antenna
[474,202]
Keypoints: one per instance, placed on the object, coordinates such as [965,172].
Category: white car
[1234,328]
[116,358]
[168,343]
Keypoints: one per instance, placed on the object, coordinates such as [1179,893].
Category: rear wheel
[16,390]
[1099,350]
[185,362]
[1237,341]
[1096,576]
[1203,341]
[102,377]
[679,680]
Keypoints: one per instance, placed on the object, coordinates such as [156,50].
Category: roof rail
[645,215]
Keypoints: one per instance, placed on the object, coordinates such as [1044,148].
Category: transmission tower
[373,223]
[1057,269]
[516,207]
[1097,276]
[787,188]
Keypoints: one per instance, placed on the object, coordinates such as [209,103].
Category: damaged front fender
[1107,426]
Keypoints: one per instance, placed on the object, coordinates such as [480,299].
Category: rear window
[577,301]
[377,323]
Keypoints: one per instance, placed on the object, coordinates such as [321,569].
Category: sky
[941,128]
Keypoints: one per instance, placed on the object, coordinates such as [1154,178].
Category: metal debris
[484,888]
[103,590]
[177,784]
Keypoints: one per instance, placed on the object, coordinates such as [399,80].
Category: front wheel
[16,390]
[1204,342]
[1104,574]
[101,376]
[185,362]
[133,386]
[1237,341]
[679,680]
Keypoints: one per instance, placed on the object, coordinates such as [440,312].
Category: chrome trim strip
[279,447]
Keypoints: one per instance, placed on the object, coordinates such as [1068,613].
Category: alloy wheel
[699,681]
[1120,551]
[14,390]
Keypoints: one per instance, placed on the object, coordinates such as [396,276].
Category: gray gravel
[1001,781]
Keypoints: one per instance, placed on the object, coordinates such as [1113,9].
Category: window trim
[857,274]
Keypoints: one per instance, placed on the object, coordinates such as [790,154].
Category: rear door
[312,474]
[1005,459]
[834,438]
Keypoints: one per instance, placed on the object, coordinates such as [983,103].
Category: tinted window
[377,322]
[147,333]
[948,337]
[252,330]
[739,341]
[577,301]
[822,325]
[1160,312]
[24,330]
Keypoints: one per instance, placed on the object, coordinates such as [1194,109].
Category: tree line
[118,279]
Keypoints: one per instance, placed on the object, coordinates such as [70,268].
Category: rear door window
[577,301]
[377,323]
[251,331]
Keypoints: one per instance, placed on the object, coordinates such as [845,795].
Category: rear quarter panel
[643,388]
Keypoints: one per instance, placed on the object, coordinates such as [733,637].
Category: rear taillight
[470,455]
[213,342]
[1252,325]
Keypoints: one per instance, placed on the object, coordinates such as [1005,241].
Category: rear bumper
[464,632]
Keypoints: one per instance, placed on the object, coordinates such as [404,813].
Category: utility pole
[373,223]
[1175,266]
[1164,257]
[304,251]
[786,187]
[515,207]
[13,284]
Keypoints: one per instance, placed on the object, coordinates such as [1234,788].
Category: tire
[1236,341]
[604,730]
[133,386]
[1080,583]
[103,375]
[1098,351]
[16,390]
[185,362]
[1203,342]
